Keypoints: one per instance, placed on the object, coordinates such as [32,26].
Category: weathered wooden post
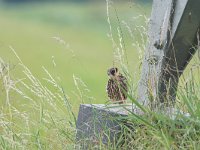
[173,38]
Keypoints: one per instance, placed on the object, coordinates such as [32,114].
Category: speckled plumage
[117,89]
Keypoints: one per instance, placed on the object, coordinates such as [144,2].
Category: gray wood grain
[172,38]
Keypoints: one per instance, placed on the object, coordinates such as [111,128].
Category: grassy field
[71,41]
[54,56]
[84,49]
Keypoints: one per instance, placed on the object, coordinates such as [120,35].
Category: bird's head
[113,72]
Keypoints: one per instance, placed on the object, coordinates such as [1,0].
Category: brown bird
[117,86]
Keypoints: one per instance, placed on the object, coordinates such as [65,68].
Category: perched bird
[117,86]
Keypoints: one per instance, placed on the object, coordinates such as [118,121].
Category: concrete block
[100,123]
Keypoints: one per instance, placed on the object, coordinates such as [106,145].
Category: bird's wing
[110,89]
[124,82]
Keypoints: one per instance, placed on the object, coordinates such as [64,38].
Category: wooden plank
[172,36]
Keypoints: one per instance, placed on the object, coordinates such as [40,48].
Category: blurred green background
[71,38]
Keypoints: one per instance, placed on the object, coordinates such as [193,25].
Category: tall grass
[43,117]
[36,117]
[178,128]
[170,128]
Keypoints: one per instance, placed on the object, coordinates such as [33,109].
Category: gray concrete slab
[100,123]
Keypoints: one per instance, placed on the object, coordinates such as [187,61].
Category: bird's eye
[112,72]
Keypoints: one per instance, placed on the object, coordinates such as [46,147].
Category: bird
[117,87]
